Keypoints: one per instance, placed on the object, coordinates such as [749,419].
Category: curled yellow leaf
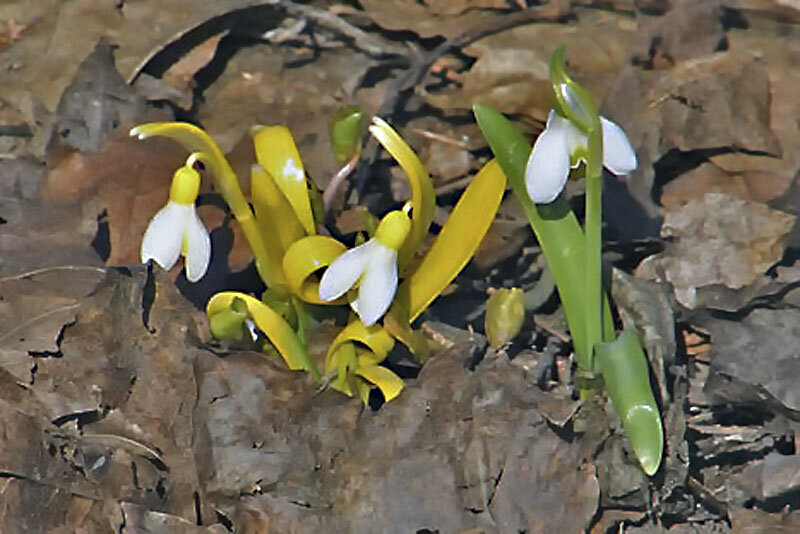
[277,330]
[374,338]
[306,256]
[389,383]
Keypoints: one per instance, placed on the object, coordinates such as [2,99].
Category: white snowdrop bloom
[177,230]
[548,165]
[373,266]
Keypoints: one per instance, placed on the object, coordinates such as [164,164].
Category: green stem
[594,243]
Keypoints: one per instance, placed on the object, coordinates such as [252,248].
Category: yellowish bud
[185,184]
[505,313]
[393,229]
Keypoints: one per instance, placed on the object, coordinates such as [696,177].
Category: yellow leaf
[342,360]
[277,330]
[306,256]
[397,324]
[271,207]
[277,153]
[423,198]
[457,242]
[363,389]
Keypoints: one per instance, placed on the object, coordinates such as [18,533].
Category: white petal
[618,154]
[198,247]
[548,165]
[163,239]
[379,285]
[343,273]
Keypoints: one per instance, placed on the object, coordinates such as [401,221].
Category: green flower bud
[505,313]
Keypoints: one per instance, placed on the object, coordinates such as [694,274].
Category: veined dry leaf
[767,177]
[258,87]
[714,102]
[35,308]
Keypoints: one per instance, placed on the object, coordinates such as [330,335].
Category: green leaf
[573,101]
[623,366]
[229,323]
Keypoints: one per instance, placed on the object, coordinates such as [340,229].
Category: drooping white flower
[176,229]
[553,153]
[373,266]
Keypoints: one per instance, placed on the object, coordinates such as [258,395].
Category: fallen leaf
[717,239]
[511,71]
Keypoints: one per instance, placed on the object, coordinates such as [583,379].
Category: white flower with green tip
[177,230]
[373,266]
[563,145]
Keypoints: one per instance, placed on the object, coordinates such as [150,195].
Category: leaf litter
[120,412]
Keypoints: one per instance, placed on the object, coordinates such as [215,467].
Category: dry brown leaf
[180,76]
[688,29]
[715,102]
[127,179]
[769,177]
[43,61]
[512,74]
[718,239]
[257,87]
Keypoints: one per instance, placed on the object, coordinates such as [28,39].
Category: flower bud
[505,313]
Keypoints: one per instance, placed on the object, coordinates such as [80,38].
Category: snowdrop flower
[563,145]
[177,230]
[374,264]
